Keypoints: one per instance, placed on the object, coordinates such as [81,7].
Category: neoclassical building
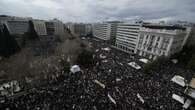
[158,40]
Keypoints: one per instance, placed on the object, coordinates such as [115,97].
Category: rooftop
[167,27]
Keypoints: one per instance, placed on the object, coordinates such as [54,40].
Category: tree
[64,64]
[156,64]
[85,58]
[191,63]
[8,44]
[186,57]
[31,34]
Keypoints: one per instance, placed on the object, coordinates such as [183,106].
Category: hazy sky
[99,10]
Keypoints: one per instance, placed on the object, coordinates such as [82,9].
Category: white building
[102,31]
[70,26]
[50,28]
[79,29]
[59,27]
[114,25]
[18,26]
[88,28]
[127,37]
[40,27]
[54,27]
[158,40]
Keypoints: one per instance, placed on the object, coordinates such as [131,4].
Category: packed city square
[109,85]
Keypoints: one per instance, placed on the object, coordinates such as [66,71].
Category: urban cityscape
[93,63]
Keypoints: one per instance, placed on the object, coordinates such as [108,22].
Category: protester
[120,82]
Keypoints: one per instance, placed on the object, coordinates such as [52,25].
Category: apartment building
[158,40]
[70,26]
[114,25]
[18,26]
[88,29]
[79,29]
[54,27]
[127,37]
[102,31]
[50,28]
[40,27]
[58,26]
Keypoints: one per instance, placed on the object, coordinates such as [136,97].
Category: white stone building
[54,27]
[70,26]
[80,29]
[18,26]
[158,40]
[102,31]
[127,37]
[114,25]
[58,26]
[40,27]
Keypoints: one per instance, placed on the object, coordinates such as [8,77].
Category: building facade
[40,27]
[156,40]
[102,31]
[79,29]
[50,28]
[88,29]
[127,37]
[18,26]
[70,26]
[54,27]
[114,25]
[58,27]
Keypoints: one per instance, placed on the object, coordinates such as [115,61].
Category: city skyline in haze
[101,10]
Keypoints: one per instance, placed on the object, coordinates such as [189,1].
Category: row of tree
[156,64]
[186,57]
[8,43]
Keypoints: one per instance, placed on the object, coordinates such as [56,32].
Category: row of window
[125,48]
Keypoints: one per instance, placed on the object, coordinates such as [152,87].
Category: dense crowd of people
[78,91]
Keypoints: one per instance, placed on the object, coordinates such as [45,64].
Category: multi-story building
[54,27]
[70,26]
[18,26]
[58,26]
[50,28]
[127,37]
[158,40]
[102,31]
[79,29]
[40,27]
[114,25]
[88,28]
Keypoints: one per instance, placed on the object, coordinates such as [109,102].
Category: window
[158,39]
[156,46]
[147,36]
